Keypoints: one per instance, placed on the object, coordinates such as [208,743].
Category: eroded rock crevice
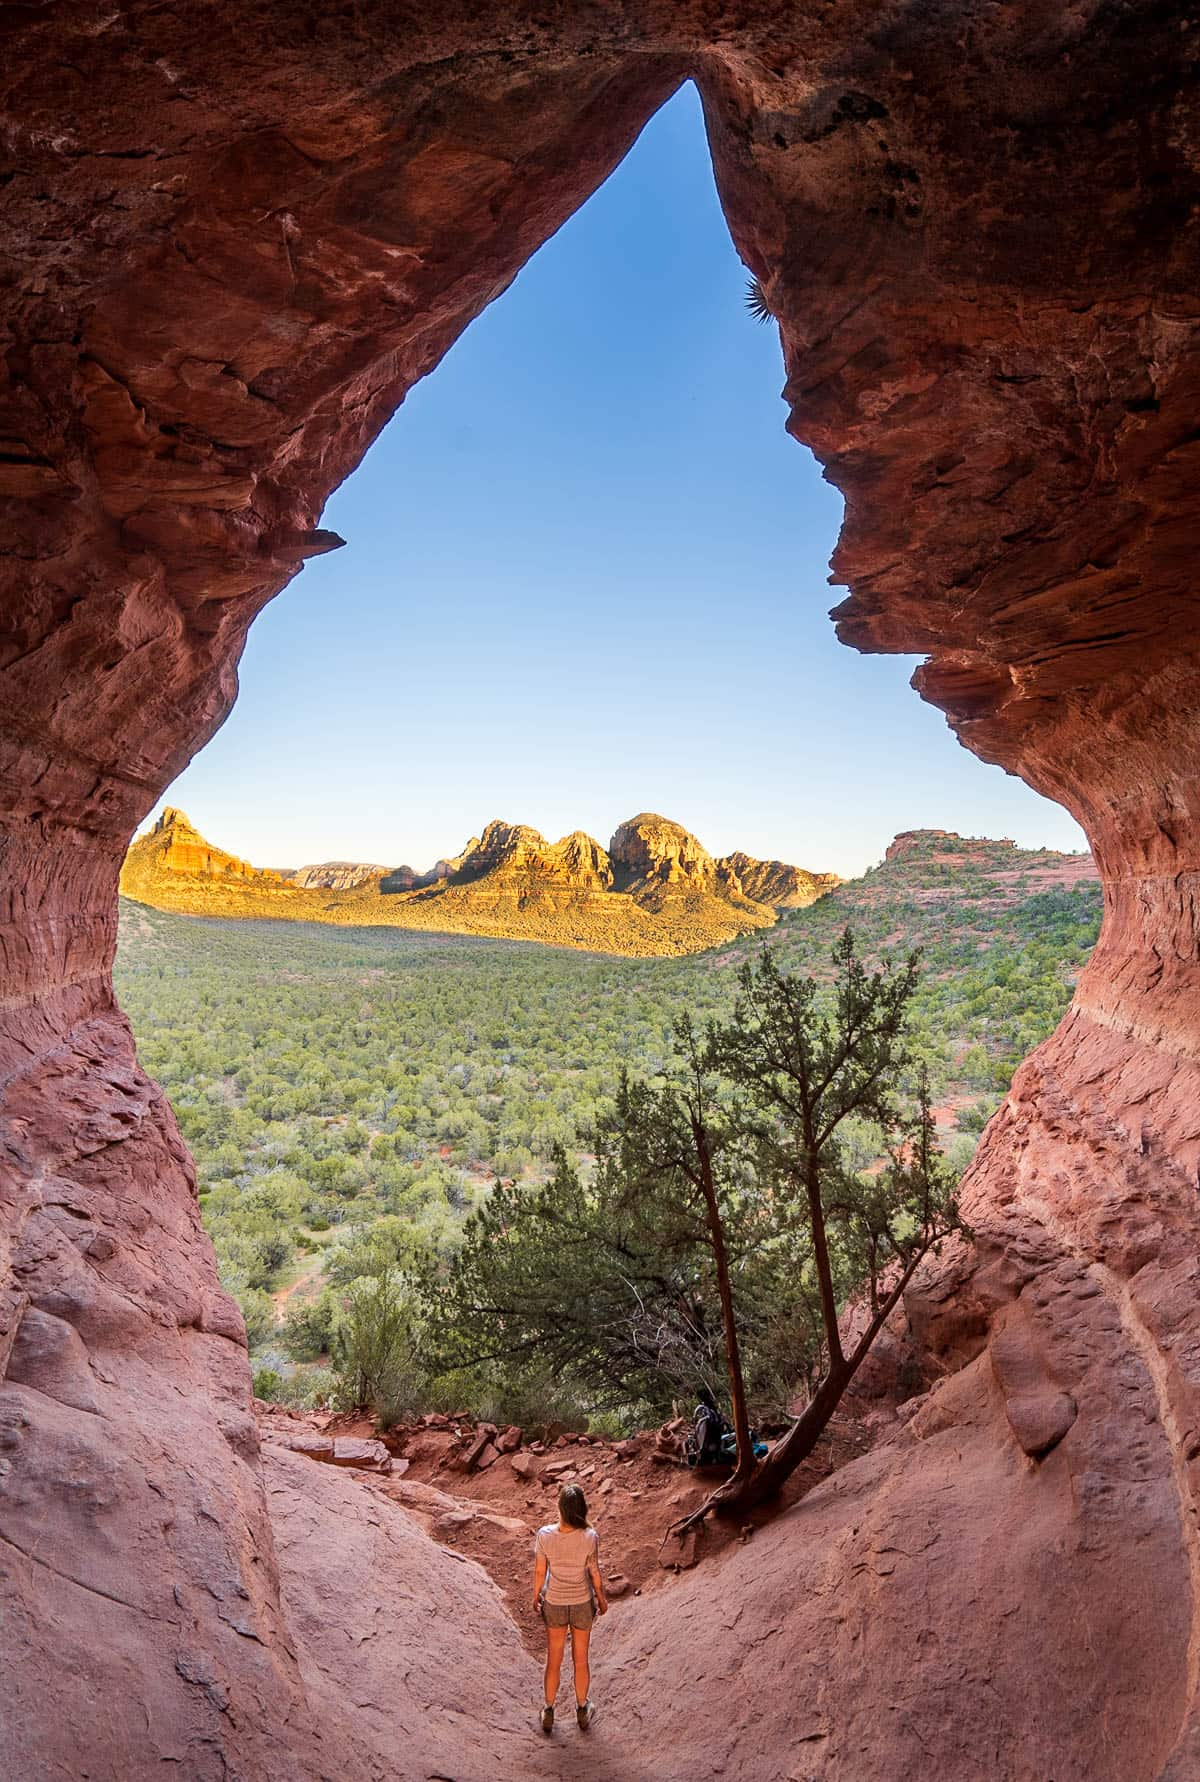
[238,239]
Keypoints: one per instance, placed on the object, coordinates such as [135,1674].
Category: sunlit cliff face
[659,892]
[239,236]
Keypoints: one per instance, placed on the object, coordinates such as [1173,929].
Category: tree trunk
[816,1214]
[767,1479]
[737,1384]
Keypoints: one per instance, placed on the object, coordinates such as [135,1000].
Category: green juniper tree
[808,1069]
[599,1289]
[736,1204]
[684,1135]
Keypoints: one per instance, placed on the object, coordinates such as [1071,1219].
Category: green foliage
[307,1329]
[610,1284]
[807,1066]
[329,1080]
[268,1384]
[307,1389]
[817,1071]
[541,1285]
[258,1310]
[541,1402]
[608,1426]
[389,1243]
[375,1349]
[756,301]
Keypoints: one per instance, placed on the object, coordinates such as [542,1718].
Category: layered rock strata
[234,239]
[174,848]
[333,875]
[664,894]
[776,883]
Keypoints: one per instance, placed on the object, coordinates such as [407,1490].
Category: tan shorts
[578,1615]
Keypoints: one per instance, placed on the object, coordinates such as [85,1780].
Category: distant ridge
[332,875]
[654,890]
[774,882]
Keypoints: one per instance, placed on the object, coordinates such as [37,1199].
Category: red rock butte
[235,236]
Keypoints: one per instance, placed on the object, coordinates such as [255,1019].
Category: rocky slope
[407,878]
[174,862]
[1025,1425]
[655,890]
[238,236]
[935,856]
[367,1593]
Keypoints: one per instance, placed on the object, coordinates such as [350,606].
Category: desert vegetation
[353,1096]
[779,1164]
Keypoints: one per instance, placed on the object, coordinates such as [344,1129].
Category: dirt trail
[308,1274]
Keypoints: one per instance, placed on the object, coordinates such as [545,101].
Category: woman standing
[568,1590]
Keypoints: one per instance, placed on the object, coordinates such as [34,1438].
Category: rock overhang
[241,234]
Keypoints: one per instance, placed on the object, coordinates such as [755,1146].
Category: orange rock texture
[660,892]
[174,848]
[234,237]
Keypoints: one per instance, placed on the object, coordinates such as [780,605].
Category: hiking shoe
[547,1719]
[585,1714]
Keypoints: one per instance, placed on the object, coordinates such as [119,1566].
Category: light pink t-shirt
[568,1553]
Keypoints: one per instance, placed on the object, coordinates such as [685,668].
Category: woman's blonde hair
[572,1506]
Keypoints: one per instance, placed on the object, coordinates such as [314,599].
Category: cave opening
[578,552]
[595,592]
[979,245]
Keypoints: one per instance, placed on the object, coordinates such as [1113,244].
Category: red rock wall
[236,237]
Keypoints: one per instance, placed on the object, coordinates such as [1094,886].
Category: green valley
[351,1093]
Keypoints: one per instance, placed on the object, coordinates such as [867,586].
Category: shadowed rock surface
[234,238]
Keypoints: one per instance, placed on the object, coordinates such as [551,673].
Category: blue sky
[585,576]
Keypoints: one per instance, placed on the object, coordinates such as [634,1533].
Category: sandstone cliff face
[511,883]
[775,883]
[655,891]
[174,867]
[238,236]
[650,851]
[515,853]
[334,875]
[584,861]
[175,847]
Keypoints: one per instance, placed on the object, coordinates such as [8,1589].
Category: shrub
[258,1309]
[610,1426]
[388,1244]
[974,1119]
[374,1349]
[307,1389]
[268,1384]
[543,1403]
[307,1330]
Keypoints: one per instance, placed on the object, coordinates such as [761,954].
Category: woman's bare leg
[580,1637]
[556,1645]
